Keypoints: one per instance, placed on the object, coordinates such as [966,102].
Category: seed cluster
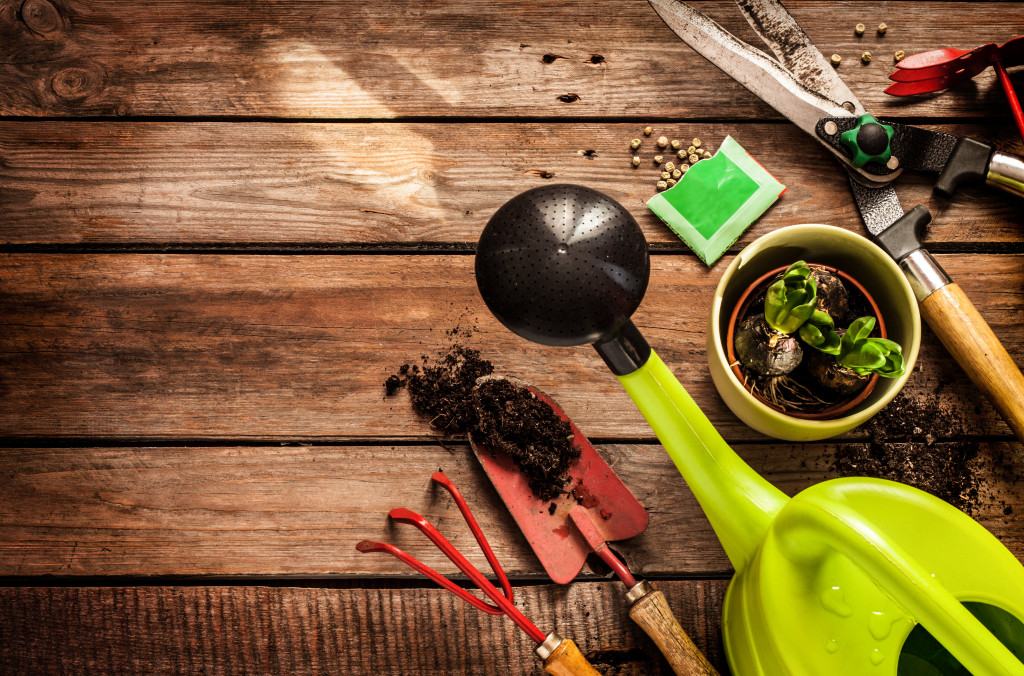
[865,56]
[668,172]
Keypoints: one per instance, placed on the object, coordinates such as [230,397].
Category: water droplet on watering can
[832,646]
[877,657]
[879,625]
[832,600]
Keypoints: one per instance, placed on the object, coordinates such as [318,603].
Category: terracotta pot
[739,313]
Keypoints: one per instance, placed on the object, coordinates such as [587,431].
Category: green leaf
[811,334]
[866,355]
[818,333]
[860,328]
[791,300]
[890,345]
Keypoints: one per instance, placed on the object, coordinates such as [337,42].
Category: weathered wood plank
[355,184]
[300,510]
[298,347]
[353,59]
[402,632]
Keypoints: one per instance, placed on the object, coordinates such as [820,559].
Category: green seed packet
[716,200]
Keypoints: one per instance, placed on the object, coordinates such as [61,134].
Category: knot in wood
[72,83]
[41,17]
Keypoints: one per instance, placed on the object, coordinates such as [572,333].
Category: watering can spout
[738,502]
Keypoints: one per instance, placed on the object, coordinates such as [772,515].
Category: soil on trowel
[907,446]
[512,419]
[498,415]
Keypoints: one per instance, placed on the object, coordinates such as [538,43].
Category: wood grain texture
[654,615]
[337,185]
[964,332]
[402,632]
[300,510]
[567,660]
[351,59]
[298,347]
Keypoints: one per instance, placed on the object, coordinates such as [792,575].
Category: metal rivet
[831,128]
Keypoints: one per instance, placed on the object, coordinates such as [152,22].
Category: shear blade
[797,53]
[755,70]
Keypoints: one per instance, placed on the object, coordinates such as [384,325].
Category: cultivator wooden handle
[653,614]
[970,340]
[564,659]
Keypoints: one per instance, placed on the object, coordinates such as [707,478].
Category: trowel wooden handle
[652,613]
[567,660]
[967,336]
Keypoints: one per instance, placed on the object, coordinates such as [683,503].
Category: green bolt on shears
[803,86]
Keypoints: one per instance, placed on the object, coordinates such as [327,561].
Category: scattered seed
[669,166]
[694,157]
[691,150]
[648,131]
[882,28]
[899,55]
[636,160]
[866,57]
[706,155]
[662,185]
[836,60]
[634,144]
[859,29]
[658,159]
[684,168]
[670,182]
[662,141]
[682,154]
[676,173]
[675,144]
[665,175]
[695,143]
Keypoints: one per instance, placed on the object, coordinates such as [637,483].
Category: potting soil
[905,447]
[499,415]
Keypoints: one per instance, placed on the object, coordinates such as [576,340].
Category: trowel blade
[592,485]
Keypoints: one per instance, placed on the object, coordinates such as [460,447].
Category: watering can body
[836,579]
[847,571]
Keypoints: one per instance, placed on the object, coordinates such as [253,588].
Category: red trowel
[597,509]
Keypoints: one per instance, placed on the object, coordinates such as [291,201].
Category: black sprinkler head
[562,265]
[567,265]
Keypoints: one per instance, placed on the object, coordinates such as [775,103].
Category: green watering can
[850,576]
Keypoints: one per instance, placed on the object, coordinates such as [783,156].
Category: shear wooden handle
[567,660]
[970,340]
[655,617]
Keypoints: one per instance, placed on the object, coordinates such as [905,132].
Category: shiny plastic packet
[717,200]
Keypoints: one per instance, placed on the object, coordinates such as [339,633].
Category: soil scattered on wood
[498,414]
[905,446]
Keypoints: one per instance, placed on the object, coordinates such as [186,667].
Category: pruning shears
[802,85]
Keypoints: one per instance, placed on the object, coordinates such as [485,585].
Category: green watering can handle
[810,524]
[739,504]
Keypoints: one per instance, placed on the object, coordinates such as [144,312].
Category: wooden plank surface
[398,632]
[224,224]
[352,59]
[156,346]
[300,510]
[351,185]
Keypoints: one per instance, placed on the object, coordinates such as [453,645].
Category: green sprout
[865,355]
[819,332]
[791,299]
[790,305]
